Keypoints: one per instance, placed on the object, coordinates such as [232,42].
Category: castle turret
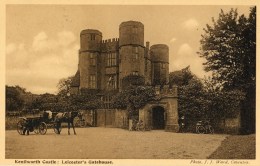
[131,33]
[131,49]
[160,63]
[90,41]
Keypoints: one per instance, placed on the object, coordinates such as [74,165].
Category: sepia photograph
[94,83]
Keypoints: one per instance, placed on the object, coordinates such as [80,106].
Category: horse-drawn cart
[49,119]
[38,124]
[31,124]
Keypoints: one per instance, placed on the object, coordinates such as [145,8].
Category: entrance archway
[158,119]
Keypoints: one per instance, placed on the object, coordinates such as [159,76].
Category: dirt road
[111,143]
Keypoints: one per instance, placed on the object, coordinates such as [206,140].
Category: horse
[66,117]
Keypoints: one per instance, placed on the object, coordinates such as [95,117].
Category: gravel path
[111,143]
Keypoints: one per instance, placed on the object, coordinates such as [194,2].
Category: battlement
[110,44]
[121,55]
[110,40]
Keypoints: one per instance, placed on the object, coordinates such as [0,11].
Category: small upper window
[135,73]
[92,81]
[135,53]
[92,36]
[163,65]
[135,29]
[92,59]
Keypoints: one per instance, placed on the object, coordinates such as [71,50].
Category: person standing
[181,124]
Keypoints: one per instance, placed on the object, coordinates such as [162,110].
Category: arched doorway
[158,119]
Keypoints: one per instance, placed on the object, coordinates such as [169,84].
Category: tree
[180,77]
[229,46]
[192,102]
[63,102]
[14,101]
[204,99]
[64,86]
[133,98]
[131,79]
[86,100]
[192,98]
[222,104]
[48,101]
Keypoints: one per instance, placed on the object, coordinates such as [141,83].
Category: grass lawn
[236,147]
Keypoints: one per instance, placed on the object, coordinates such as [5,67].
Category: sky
[42,41]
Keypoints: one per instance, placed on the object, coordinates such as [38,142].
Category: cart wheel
[57,129]
[42,128]
[20,126]
[200,130]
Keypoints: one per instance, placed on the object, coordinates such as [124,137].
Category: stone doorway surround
[169,104]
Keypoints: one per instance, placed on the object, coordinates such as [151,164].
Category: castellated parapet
[110,45]
[104,63]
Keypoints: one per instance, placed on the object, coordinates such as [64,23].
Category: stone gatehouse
[104,63]
[161,114]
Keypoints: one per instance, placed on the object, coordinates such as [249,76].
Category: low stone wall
[106,118]
[121,118]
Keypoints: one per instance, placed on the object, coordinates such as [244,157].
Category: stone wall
[88,115]
[170,106]
[145,116]
[84,69]
[105,117]
[159,54]
[131,55]
[131,32]
[121,118]
[110,118]
[172,114]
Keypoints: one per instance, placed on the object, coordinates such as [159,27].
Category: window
[92,81]
[112,82]
[107,101]
[111,59]
[92,37]
[135,53]
[163,65]
[134,29]
[92,59]
[135,73]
